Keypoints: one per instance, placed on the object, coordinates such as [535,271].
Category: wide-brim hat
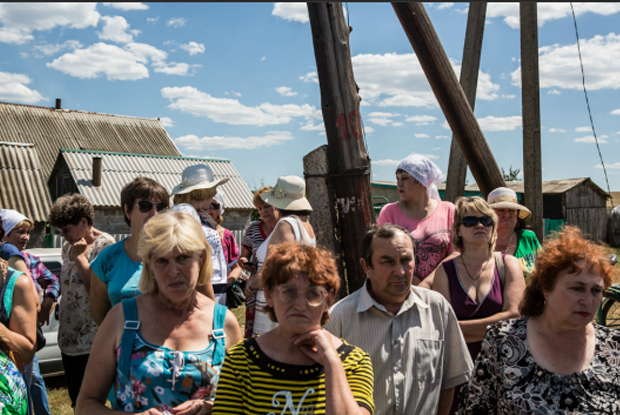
[505,198]
[199,176]
[288,194]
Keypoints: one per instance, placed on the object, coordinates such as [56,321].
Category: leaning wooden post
[450,95]
[349,164]
[457,165]
[530,103]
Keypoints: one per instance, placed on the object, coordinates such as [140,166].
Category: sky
[238,80]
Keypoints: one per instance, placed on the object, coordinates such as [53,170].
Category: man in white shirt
[412,334]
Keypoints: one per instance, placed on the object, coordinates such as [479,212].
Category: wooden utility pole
[450,95]
[457,165]
[530,102]
[348,162]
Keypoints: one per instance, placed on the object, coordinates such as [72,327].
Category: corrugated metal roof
[548,186]
[118,169]
[21,180]
[52,129]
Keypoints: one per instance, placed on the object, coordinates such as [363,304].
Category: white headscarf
[10,218]
[424,171]
[220,198]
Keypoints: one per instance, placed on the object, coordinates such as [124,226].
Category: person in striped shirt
[297,367]
[411,333]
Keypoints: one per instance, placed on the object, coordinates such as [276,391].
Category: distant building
[48,151]
[578,202]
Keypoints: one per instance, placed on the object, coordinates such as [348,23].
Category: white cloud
[263,58]
[384,119]
[116,29]
[193,48]
[19,20]
[176,22]
[152,19]
[398,80]
[557,130]
[559,64]
[310,77]
[48,49]
[589,139]
[195,143]
[13,89]
[166,122]
[443,6]
[615,112]
[231,111]
[492,123]
[608,166]
[368,130]
[583,129]
[420,135]
[421,119]
[310,126]
[548,11]
[172,68]
[554,92]
[386,162]
[293,12]
[285,91]
[127,6]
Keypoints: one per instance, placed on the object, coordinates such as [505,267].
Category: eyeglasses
[65,229]
[471,221]
[214,206]
[315,296]
[146,206]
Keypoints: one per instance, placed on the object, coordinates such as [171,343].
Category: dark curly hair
[568,250]
[70,209]
[288,259]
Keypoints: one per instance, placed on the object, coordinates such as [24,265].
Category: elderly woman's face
[176,274]
[507,219]
[574,300]
[73,233]
[298,304]
[267,212]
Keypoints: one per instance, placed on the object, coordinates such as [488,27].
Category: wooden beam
[457,165]
[348,161]
[450,95]
[530,103]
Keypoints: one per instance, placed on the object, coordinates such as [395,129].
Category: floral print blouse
[507,379]
[77,328]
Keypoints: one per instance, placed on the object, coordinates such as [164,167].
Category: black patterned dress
[507,379]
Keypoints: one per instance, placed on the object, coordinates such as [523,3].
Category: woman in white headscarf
[420,210]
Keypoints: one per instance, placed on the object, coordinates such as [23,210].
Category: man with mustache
[413,338]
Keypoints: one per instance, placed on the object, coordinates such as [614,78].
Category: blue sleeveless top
[151,376]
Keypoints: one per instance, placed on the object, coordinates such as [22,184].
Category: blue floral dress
[162,378]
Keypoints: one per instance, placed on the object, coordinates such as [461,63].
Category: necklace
[475,280]
[512,245]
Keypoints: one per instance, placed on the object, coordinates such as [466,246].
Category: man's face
[391,273]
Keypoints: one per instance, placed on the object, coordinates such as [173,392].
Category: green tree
[511,176]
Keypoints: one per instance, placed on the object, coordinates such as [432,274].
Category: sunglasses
[471,221]
[214,206]
[146,206]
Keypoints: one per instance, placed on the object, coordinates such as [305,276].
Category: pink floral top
[77,328]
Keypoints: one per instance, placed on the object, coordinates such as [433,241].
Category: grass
[58,397]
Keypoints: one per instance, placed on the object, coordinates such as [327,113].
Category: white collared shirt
[416,353]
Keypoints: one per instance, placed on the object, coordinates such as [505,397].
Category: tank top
[152,376]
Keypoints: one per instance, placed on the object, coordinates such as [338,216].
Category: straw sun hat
[504,198]
[288,194]
[199,176]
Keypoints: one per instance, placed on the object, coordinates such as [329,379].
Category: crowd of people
[462,310]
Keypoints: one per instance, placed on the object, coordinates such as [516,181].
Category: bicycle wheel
[611,313]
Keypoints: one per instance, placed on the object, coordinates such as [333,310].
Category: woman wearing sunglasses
[116,270]
[482,286]
[298,367]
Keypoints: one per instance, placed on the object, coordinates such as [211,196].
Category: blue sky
[238,80]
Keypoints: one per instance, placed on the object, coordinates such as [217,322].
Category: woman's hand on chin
[318,345]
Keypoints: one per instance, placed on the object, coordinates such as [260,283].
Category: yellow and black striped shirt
[252,383]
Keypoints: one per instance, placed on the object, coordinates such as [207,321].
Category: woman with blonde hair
[170,340]
[482,286]
[553,359]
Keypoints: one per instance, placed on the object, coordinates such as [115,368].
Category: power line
[583,80]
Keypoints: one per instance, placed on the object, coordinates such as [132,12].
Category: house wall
[586,208]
